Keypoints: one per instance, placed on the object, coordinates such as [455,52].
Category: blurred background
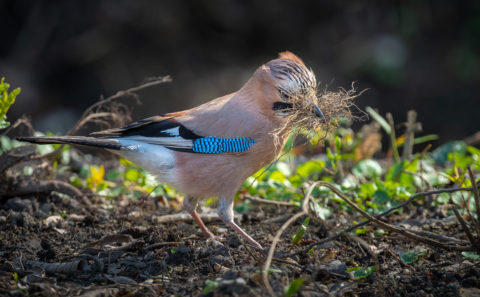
[422,55]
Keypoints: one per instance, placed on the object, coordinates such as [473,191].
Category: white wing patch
[173,131]
[172,142]
[156,159]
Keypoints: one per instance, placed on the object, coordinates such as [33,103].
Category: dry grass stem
[332,104]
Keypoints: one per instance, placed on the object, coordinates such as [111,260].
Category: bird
[209,150]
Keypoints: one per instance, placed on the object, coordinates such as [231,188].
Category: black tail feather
[77,140]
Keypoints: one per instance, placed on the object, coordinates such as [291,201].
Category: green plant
[293,287]
[360,272]
[6,100]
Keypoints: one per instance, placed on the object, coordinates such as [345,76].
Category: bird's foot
[247,237]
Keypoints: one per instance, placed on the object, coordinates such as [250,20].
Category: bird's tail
[107,143]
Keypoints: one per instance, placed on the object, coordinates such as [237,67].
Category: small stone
[52,221]
[46,208]
[18,204]
[222,230]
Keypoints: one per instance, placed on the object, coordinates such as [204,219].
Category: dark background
[421,55]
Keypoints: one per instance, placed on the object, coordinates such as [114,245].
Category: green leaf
[338,143]
[367,190]
[6,100]
[440,155]
[320,211]
[351,269]
[361,231]
[380,197]
[395,171]
[293,287]
[132,175]
[301,231]
[377,117]
[412,256]
[367,169]
[425,138]
[473,150]
[307,169]
[112,175]
[277,176]
[4,124]
[471,255]
[210,286]
[364,272]
[331,157]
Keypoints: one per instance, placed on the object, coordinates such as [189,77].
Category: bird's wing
[168,132]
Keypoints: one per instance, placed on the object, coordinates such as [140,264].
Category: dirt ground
[52,244]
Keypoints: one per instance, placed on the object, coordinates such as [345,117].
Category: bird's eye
[281,106]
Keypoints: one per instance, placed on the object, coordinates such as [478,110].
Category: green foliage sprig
[6,100]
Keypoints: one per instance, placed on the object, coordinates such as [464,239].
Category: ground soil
[53,244]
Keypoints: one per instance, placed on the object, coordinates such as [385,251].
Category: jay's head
[290,90]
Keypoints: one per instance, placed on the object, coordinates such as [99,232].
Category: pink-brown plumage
[259,112]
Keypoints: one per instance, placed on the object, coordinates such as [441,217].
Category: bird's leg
[190,205]
[225,212]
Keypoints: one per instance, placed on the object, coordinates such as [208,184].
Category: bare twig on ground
[68,268]
[464,226]
[162,244]
[15,155]
[439,237]
[185,217]
[276,239]
[374,256]
[385,213]
[477,199]
[111,238]
[48,186]
[408,234]
[393,254]
[24,120]
[272,202]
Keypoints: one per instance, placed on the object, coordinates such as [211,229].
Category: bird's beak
[319,113]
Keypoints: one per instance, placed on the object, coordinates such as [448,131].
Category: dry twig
[276,239]
[93,113]
[475,195]
[272,202]
[385,213]
[464,225]
[374,256]
[406,233]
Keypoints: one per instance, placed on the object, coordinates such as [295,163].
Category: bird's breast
[220,175]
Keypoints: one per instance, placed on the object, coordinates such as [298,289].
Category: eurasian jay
[209,150]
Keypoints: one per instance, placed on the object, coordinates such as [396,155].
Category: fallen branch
[186,218]
[15,156]
[46,187]
[276,239]
[162,244]
[68,268]
[271,202]
[477,199]
[385,213]
[392,228]
[464,226]
[22,120]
